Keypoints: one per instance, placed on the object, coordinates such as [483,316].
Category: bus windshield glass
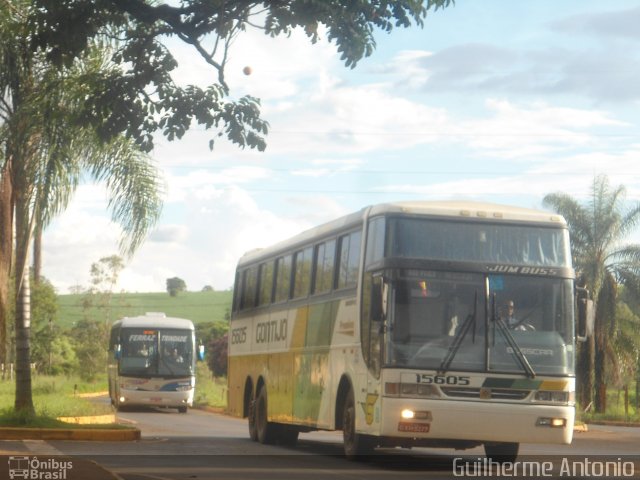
[156,352]
[478,242]
[477,322]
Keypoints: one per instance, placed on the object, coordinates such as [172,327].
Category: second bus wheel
[265,430]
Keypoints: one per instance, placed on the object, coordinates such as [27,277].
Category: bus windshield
[478,242]
[156,352]
[478,322]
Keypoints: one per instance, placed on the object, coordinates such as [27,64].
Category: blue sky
[494,101]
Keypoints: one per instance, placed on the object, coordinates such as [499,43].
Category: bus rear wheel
[265,430]
[251,417]
[502,452]
[355,444]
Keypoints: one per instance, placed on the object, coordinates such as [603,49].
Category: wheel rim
[349,428]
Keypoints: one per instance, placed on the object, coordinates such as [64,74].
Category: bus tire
[265,430]
[502,452]
[356,445]
[251,417]
[182,409]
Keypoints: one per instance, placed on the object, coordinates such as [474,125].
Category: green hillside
[196,306]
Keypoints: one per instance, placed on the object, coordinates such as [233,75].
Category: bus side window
[249,288]
[266,283]
[283,279]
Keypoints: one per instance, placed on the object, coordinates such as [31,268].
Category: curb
[581,428]
[91,394]
[94,420]
[95,434]
[207,408]
[615,423]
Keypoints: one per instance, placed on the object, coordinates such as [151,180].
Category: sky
[492,101]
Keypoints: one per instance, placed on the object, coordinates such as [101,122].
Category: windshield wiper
[457,340]
[517,351]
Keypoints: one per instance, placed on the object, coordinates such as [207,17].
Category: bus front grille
[486,393]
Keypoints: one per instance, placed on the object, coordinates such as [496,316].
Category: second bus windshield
[155,352]
[434,311]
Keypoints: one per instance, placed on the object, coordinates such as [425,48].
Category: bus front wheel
[355,444]
[265,430]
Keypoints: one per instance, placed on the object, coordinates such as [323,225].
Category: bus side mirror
[586,318]
[117,351]
[200,352]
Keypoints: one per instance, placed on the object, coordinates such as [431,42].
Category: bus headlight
[408,414]
[551,422]
[552,396]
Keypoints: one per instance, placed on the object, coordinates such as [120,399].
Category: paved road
[207,446]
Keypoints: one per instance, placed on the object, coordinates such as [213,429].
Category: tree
[139,97]
[175,285]
[217,355]
[598,230]
[45,149]
[90,338]
[104,277]
[133,94]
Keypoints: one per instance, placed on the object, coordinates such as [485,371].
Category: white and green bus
[153,362]
[391,324]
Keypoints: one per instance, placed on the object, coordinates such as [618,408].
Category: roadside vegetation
[53,397]
[69,337]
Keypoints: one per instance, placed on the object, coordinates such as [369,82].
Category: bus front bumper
[477,421]
[154,398]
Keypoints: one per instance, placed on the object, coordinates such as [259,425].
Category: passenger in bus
[452,315]
[175,357]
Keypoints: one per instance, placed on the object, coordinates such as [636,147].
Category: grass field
[56,397]
[61,396]
[195,306]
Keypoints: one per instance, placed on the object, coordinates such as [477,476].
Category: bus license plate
[413,427]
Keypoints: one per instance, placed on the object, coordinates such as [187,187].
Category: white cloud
[467,121]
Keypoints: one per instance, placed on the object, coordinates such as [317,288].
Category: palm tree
[46,149]
[598,230]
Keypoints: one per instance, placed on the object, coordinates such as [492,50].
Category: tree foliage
[138,95]
[44,151]
[598,231]
[217,350]
[175,285]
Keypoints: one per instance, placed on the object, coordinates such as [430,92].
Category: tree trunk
[37,253]
[6,253]
[584,373]
[24,399]
[600,382]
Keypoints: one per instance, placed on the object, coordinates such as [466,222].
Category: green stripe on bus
[515,383]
